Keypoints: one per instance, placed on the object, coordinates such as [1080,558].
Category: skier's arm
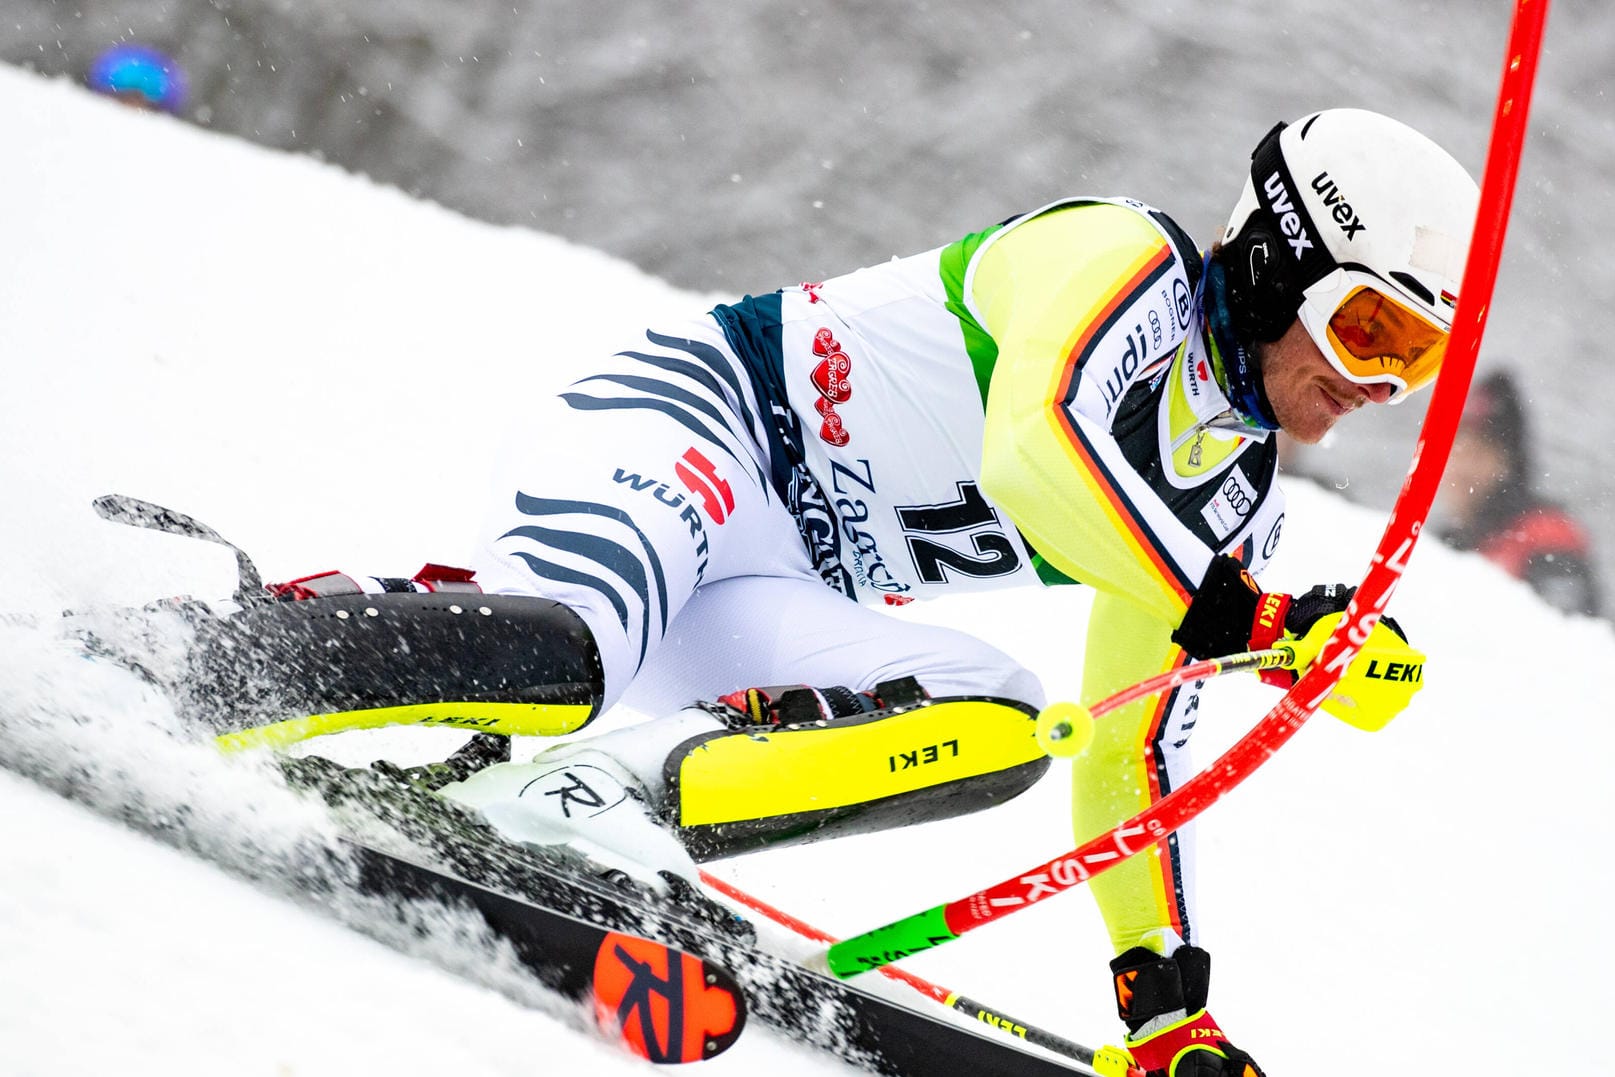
[1056,294]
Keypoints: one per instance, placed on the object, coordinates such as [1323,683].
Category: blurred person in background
[139,76]
[1494,508]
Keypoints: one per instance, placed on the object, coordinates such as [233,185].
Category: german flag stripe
[1141,276]
[1123,513]
[1167,856]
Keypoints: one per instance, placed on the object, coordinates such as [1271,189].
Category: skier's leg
[642,479]
[873,753]
[740,633]
[1139,754]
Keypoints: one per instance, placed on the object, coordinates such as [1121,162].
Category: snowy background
[320,367]
[737,147]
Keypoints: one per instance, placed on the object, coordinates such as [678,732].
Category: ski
[663,1003]
[520,888]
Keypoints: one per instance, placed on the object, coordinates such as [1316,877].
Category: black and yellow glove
[1169,1033]
[1230,613]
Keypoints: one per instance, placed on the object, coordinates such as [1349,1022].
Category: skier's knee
[963,665]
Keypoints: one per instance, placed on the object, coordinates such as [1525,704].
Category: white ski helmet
[1359,226]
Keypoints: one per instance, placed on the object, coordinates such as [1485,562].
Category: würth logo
[830,379]
[700,477]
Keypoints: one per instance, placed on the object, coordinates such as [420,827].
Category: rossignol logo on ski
[667,1006]
[1284,209]
[571,792]
[577,792]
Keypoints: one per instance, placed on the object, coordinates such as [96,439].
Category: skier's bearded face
[1307,394]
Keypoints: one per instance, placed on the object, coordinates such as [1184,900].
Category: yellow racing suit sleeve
[1054,294]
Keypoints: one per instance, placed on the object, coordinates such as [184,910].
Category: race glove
[1169,1033]
[1230,613]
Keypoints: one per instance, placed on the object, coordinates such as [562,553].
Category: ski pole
[988,1015]
[944,923]
[1064,729]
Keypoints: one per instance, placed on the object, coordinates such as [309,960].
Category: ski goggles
[1370,336]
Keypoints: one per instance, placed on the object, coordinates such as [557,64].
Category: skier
[717,512]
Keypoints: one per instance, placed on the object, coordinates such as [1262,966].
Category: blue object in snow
[141,72]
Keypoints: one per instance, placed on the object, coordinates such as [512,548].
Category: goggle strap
[1303,243]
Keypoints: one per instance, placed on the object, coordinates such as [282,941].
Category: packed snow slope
[321,368]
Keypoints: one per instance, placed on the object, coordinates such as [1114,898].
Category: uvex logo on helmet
[1284,209]
[1339,208]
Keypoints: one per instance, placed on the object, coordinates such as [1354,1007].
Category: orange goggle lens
[1374,338]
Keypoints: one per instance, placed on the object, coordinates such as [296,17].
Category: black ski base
[662,1002]
[520,889]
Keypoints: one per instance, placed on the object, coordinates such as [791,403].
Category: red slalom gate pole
[944,923]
